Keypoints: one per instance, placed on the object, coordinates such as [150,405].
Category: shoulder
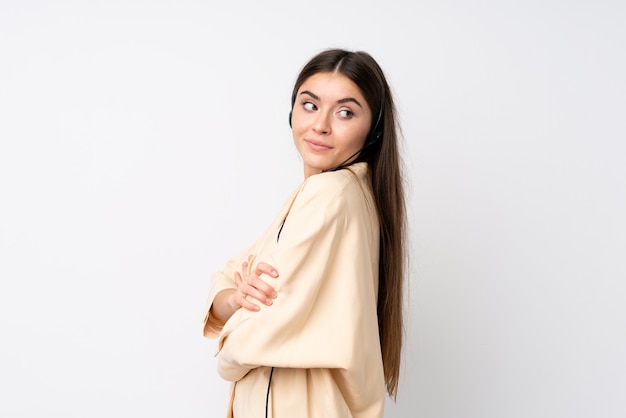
[330,203]
[343,185]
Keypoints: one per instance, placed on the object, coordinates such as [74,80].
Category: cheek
[354,137]
[296,121]
[297,129]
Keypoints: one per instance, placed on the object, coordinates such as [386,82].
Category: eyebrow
[340,101]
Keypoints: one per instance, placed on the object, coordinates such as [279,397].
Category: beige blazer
[321,333]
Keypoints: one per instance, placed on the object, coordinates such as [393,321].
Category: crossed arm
[250,289]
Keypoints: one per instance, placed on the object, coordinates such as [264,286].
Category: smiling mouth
[317,146]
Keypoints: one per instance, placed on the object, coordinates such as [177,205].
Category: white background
[142,143]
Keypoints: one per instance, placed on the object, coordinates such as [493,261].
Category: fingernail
[274,294]
[274,273]
[268,301]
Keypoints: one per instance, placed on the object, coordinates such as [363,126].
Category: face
[330,121]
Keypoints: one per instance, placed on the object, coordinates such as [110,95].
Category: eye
[309,106]
[346,113]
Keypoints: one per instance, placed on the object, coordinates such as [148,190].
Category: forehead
[332,86]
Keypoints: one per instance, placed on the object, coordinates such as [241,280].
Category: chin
[315,161]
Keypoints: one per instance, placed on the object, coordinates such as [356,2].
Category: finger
[263,267]
[245,303]
[261,290]
[255,293]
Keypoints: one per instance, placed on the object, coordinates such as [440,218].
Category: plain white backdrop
[144,143]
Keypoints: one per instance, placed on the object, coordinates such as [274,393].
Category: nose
[322,124]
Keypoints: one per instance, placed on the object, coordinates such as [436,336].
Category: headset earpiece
[377,130]
[374,137]
[290,114]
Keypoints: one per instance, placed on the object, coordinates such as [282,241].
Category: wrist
[231,300]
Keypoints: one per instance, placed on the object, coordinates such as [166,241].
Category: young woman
[309,317]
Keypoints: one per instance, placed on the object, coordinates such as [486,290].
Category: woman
[309,317]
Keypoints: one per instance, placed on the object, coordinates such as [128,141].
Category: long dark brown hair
[384,161]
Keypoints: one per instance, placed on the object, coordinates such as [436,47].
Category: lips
[317,145]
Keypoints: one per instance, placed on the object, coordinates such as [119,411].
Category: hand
[249,284]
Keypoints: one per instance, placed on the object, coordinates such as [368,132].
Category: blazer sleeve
[225,279]
[221,280]
[325,312]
